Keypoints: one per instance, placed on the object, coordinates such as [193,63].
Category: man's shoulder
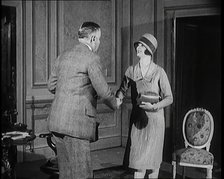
[80,53]
[84,51]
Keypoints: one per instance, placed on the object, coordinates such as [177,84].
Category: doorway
[8,66]
[198,73]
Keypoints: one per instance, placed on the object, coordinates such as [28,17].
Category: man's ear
[93,38]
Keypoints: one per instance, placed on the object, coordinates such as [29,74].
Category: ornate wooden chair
[198,128]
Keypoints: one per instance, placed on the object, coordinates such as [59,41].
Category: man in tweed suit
[76,80]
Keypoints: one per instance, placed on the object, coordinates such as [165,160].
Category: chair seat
[194,156]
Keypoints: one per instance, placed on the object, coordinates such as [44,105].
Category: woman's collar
[138,74]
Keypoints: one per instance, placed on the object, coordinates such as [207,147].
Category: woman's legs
[139,174]
[154,174]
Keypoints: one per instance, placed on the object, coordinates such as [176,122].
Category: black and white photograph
[111,89]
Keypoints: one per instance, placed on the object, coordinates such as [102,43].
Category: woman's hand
[149,107]
[119,102]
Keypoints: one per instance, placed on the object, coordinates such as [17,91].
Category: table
[9,152]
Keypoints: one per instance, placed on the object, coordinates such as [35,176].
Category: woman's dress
[147,133]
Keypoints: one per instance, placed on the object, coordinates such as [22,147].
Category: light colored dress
[147,133]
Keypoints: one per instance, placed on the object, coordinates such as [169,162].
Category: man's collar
[83,42]
[89,47]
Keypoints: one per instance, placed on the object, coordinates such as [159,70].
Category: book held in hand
[149,97]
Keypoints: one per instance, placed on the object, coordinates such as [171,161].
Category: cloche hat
[149,41]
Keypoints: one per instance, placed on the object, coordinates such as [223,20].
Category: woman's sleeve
[125,84]
[166,93]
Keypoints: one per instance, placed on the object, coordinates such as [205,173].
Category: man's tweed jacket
[77,80]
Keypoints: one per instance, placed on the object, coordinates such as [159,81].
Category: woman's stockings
[139,174]
[154,174]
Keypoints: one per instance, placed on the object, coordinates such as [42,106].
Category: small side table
[9,151]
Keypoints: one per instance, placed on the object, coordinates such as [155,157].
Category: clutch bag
[150,98]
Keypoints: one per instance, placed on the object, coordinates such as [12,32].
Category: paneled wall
[51,27]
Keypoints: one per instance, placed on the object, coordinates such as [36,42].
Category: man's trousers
[73,155]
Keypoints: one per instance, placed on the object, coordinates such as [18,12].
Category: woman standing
[147,133]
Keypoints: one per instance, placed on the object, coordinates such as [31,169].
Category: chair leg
[174,169]
[209,173]
[184,172]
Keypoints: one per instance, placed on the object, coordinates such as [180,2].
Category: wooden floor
[102,159]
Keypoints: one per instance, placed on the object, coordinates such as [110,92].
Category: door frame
[20,67]
[171,15]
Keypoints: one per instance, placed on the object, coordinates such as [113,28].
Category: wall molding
[35,40]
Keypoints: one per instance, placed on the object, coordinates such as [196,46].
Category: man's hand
[52,83]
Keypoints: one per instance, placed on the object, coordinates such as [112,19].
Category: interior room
[34,33]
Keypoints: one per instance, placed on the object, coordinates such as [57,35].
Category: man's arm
[52,81]
[100,85]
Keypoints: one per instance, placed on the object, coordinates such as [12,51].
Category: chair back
[198,128]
